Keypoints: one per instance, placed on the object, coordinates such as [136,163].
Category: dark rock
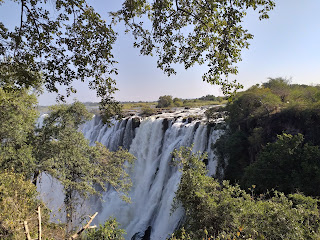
[165,125]
[135,123]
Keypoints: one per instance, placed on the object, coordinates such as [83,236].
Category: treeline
[168,101]
[268,181]
[273,138]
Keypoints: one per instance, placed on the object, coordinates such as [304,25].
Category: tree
[57,148]
[221,211]
[279,86]
[165,101]
[177,102]
[193,32]
[68,41]
[110,230]
[287,165]
[18,114]
[65,154]
[19,200]
[57,44]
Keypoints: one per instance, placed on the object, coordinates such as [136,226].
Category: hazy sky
[286,45]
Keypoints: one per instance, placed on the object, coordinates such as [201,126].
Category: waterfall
[155,179]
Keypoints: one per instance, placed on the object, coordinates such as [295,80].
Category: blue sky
[286,45]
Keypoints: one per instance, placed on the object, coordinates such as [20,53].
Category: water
[155,180]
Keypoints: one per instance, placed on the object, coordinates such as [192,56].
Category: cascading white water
[154,177]
[151,140]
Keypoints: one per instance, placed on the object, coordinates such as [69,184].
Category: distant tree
[208,98]
[219,99]
[178,102]
[279,86]
[165,101]
[147,111]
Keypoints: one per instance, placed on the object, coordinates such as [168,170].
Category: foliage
[213,113]
[278,86]
[255,117]
[58,43]
[18,114]
[165,101]
[18,203]
[66,41]
[177,102]
[109,231]
[287,165]
[208,98]
[222,211]
[65,154]
[56,147]
[193,32]
[147,111]
[232,150]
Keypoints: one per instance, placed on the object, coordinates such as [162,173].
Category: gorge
[155,179]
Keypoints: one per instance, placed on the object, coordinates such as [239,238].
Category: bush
[165,101]
[18,203]
[287,165]
[147,111]
[177,102]
[225,211]
[109,231]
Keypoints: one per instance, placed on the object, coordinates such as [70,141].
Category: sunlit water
[155,179]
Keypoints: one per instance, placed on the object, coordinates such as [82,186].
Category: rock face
[151,140]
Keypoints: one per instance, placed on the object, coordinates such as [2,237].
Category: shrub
[148,111]
[109,231]
[165,101]
[225,211]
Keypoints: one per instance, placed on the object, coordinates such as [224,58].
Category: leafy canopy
[287,165]
[193,32]
[57,43]
[221,211]
[56,147]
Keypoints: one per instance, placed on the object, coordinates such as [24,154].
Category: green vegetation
[215,35]
[109,231]
[19,201]
[169,102]
[39,52]
[147,111]
[138,105]
[273,126]
[271,145]
[287,164]
[165,101]
[55,147]
[217,210]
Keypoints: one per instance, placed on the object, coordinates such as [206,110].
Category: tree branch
[191,14]
[87,226]
[20,29]
[34,20]
[26,228]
